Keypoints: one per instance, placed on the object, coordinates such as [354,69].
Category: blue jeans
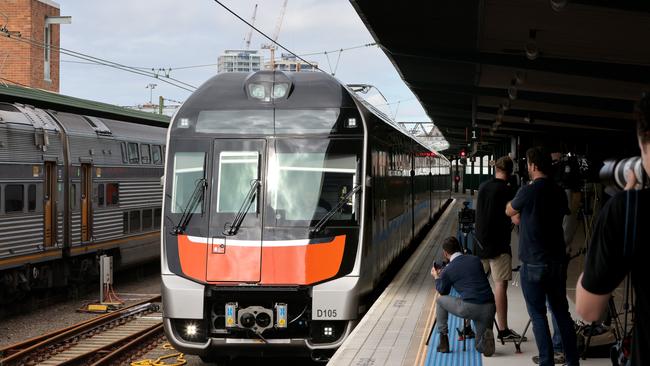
[547,282]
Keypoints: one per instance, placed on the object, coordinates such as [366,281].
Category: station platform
[395,330]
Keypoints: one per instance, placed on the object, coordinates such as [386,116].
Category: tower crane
[249,35]
[271,46]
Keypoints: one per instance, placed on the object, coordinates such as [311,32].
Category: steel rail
[54,341]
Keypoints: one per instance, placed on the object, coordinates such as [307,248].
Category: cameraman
[493,229]
[476,302]
[542,206]
[606,265]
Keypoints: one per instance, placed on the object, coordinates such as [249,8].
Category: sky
[173,33]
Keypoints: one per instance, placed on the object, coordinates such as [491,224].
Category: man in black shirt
[541,206]
[607,265]
[493,229]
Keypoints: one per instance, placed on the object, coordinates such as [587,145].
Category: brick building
[34,64]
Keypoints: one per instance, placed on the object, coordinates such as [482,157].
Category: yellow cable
[180,359]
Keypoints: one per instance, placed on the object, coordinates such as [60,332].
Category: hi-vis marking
[249,243]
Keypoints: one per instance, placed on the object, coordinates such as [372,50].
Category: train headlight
[257,91]
[280,90]
[328,331]
[184,123]
[191,330]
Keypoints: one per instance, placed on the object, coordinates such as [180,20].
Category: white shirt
[454,256]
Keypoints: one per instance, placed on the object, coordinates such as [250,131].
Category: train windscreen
[308,178]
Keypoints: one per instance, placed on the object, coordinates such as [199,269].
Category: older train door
[235,242]
[86,189]
[49,204]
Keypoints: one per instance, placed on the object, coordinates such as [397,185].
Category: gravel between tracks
[21,327]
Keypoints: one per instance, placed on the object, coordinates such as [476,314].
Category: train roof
[64,103]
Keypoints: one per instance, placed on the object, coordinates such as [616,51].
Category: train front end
[263,216]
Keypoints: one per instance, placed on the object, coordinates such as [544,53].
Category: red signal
[462,153]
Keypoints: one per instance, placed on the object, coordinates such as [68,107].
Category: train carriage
[286,199]
[73,186]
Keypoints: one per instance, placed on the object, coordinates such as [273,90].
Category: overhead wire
[265,36]
[108,63]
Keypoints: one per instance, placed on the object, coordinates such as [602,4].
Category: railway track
[105,340]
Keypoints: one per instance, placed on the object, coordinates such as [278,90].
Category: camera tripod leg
[518,343]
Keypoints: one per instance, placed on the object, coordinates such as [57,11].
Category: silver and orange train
[286,199]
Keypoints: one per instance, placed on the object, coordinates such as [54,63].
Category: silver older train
[73,186]
[287,198]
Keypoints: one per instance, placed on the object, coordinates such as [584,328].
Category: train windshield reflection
[306,186]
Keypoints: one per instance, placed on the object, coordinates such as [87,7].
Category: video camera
[612,174]
[466,217]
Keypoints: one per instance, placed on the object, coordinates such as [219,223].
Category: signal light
[462,153]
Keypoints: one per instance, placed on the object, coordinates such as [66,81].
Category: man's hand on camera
[630,180]
[435,272]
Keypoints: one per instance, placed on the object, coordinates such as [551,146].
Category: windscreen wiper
[320,224]
[232,228]
[195,198]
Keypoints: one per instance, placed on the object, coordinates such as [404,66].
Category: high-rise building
[239,61]
[29,43]
[290,63]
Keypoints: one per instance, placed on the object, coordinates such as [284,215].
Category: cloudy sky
[175,33]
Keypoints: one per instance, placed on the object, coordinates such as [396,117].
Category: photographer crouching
[619,246]
[476,302]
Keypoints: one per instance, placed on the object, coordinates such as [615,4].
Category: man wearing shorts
[493,229]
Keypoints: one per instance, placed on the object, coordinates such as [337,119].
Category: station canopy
[539,69]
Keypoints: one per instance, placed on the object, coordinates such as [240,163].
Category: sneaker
[443,345]
[487,343]
[558,358]
[510,335]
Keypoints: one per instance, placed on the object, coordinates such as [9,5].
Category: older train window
[112,194]
[73,196]
[14,198]
[157,216]
[134,221]
[145,153]
[31,197]
[156,154]
[134,156]
[124,154]
[147,219]
[100,194]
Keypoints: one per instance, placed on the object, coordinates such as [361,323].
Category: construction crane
[271,46]
[249,35]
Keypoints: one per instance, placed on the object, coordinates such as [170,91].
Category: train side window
[134,156]
[134,221]
[14,198]
[112,194]
[157,216]
[31,197]
[73,196]
[124,155]
[125,222]
[100,194]
[147,220]
[145,153]
[156,154]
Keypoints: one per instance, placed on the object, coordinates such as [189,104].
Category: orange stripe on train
[281,263]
